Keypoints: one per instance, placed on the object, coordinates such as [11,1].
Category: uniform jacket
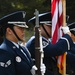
[50,51]
[71,61]
[13,61]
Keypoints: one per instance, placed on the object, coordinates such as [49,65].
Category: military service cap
[16,18]
[44,18]
[72,27]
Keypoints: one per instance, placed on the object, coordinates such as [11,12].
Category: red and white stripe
[57,20]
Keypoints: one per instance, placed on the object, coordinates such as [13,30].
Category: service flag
[57,22]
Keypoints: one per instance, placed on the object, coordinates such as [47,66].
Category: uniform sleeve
[71,60]
[6,63]
[31,46]
[63,45]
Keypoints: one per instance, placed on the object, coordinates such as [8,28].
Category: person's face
[73,37]
[20,31]
[48,29]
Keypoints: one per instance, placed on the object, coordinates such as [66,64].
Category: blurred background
[9,6]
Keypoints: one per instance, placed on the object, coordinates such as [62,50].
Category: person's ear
[8,30]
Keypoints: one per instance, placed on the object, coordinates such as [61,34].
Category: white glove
[65,29]
[33,70]
[43,68]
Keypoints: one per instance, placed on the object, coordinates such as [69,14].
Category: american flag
[57,22]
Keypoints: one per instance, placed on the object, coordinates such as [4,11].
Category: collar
[15,44]
[74,42]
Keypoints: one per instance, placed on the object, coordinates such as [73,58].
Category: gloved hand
[65,29]
[33,70]
[43,68]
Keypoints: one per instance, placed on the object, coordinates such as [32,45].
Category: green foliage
[8,6]
[70,4]
[28,34]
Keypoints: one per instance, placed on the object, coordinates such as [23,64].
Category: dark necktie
[24,52]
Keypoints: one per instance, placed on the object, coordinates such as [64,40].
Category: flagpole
[64,12]
[64,24]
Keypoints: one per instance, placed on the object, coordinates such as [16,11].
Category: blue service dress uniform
[50,51]
[13,61]
[71,61]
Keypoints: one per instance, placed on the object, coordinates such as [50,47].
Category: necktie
[24,52]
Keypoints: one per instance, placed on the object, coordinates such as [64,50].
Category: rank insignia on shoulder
[2,64]
[44,44]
